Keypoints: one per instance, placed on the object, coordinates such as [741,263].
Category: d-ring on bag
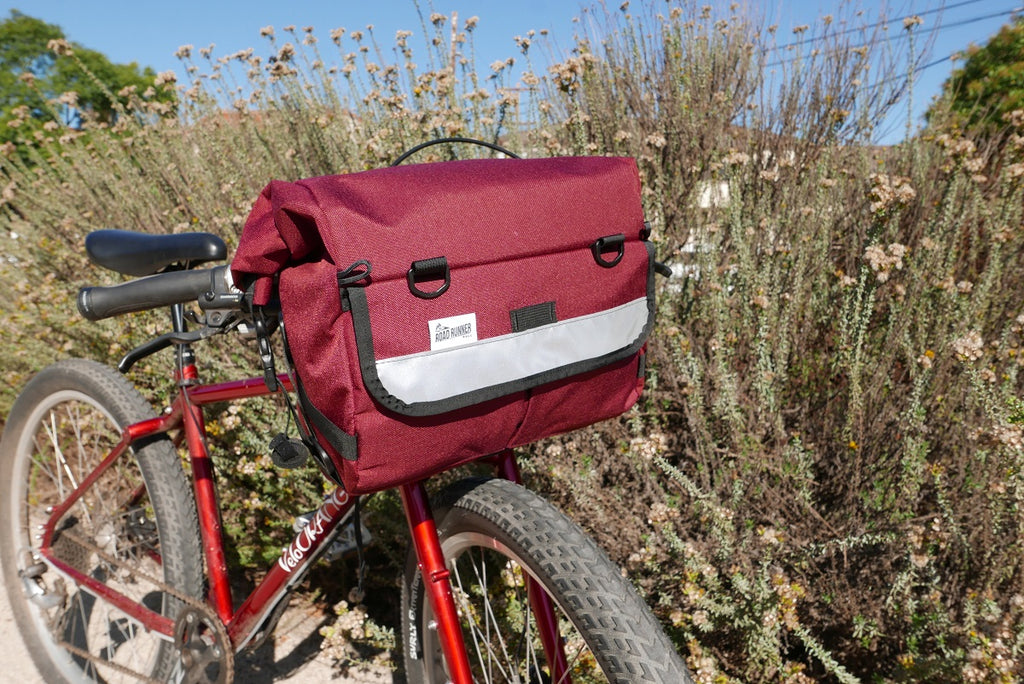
[437,313]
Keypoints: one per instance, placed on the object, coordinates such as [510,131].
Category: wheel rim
[66,435]
[499,630]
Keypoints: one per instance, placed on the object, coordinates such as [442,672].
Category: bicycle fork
[436,581]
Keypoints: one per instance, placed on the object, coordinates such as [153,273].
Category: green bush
[822,482]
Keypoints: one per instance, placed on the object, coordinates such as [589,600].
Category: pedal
[36,591]
[34,571]
[345,542]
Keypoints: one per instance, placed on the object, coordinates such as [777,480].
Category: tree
[44,78]
[991,83]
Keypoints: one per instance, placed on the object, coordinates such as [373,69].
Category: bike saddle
[141,254]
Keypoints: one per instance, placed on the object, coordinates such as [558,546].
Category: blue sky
[150,32]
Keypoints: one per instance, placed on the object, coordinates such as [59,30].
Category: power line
[883,22]
[938,29]
[914,72]
[972,20]
[923,67]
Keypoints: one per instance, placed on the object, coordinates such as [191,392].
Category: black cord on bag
[357,595]
[443,141]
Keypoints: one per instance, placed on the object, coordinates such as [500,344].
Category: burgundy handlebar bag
[438,313]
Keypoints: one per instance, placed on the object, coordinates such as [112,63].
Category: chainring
[204,647]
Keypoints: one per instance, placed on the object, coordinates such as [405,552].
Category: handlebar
[211,287]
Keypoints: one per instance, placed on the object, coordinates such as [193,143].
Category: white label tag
[453,331]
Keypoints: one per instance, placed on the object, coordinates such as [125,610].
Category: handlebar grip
[151,292]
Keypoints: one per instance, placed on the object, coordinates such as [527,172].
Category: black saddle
[141,254]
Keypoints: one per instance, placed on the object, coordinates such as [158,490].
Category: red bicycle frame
[244,623]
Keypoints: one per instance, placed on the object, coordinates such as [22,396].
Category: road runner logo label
[452,332]
[312,534]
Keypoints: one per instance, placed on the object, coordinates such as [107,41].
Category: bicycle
[113,556]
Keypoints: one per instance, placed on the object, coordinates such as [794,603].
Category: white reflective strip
[438,375]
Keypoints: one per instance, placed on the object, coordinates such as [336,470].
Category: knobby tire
[494,533]
[141,512]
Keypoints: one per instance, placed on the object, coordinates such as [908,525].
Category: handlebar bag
[438,313]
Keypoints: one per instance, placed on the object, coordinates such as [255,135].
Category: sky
[150,33]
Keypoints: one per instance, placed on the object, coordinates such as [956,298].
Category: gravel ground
[291,655]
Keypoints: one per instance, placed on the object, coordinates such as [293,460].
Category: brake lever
[162,342]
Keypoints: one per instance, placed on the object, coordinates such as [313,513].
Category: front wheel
[505,547]
[137,520]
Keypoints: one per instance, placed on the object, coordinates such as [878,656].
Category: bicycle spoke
[489,617]
[487,646]
[499,624]
[58,453]
[40,461]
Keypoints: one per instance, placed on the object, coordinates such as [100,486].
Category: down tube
[290,567]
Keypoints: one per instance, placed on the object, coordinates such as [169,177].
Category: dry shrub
[822,481]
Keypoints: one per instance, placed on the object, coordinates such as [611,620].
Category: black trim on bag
[356,297]
[359,271]
[345,444]
[533,316]
[308,434]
